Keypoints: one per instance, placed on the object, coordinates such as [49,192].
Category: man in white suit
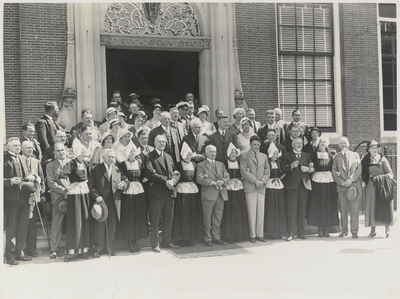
[255,171]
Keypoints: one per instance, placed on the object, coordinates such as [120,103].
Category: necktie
[254,126]
[28,164]
[223,134]
[17,164]
[169,141]
[346,162]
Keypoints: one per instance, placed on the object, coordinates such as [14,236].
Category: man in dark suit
[271,125]
[47,126]
[58,193]
[271,138]
[33,167]
[87,119]
[160,172]
[195,141]
[28,131]
[304,133]
[171,135]
[213,178]
[218,113]
[294,132]
[222,138]
[48,153]
[105,183]
[16,204]
[296,165]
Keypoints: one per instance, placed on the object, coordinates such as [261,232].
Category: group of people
[128,177]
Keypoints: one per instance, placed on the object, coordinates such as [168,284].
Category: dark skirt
[78,222]
[275,213]
[133,222]
[188,223]
[323,206]
[234,224]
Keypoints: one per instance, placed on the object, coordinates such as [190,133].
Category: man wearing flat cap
[16,204]
[111,114]
[346,171]
[105,184]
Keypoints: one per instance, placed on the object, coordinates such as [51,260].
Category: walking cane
[41,222]
[108,241]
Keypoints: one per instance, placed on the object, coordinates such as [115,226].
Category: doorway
[167,75]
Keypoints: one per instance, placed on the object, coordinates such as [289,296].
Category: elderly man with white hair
[195,140]
[213,178]
[160,171]
[346,171]
[171,135]
[279,117]
[251,114]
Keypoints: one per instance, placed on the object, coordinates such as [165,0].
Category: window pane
[323,40]
[287,67]
[387,10]
[286,15]
[288,92]
[305,40]
[287,40]
[390,122]
[387,45]
[324,116]
[322,67]
[308,115]
[305,91]
[304,15]
[287,112]
[304,67]
[388,100]
[323,93]
[387,73]
[322,16]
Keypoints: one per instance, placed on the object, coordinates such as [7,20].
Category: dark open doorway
[166,75]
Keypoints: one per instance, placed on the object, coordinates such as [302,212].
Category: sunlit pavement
[313,268]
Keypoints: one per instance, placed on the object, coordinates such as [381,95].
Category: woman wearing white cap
[244,136]
[76,176]
[376,167]
[115,127]
[234,224]
[123,146]
[188,224]
[323,207]
[238,114]
[133,202]
[155,120]
[275,209]
[107,142]
[207,127]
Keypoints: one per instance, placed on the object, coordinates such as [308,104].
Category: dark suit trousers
[161,207]
[100,238]
[16,228]
[296,202]
[31,236]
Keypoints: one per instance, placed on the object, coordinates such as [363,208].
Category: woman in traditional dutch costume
[323,207]
[275,226]
[188,224]
[75,178]
[234,224]
[133,202]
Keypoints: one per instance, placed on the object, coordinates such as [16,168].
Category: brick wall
[37,52]
[256,36]
[12,68]
[359,67]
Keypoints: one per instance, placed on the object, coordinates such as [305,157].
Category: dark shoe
[53,255]
[189,243]
[372,234]
[131,247]
[343,235]
[32,254]
[12,261]
[290,238]
[85,256]
[170,245]
[208,243]
[252,240]
[136,247]
[326,232]
[320,232]
[261,239]
[219,242]
[302,237]
[23,258]
[156,249]
[97,254]
[67,258]
[355,236]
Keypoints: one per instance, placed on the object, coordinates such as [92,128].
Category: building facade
[334,62]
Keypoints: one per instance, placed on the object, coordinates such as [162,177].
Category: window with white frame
[305,54]
[389,68]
